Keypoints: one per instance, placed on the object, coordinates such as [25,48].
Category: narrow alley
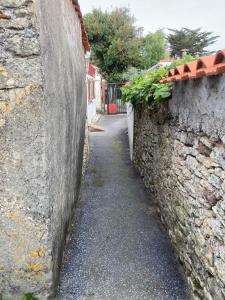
[118,249]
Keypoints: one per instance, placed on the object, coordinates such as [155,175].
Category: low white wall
[91,111]
[130,121]
[98,94]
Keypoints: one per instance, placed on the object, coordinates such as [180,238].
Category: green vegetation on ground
[28,296]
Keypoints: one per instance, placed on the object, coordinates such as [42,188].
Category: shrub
[145,90]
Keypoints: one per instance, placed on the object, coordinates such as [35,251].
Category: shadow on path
[118,249]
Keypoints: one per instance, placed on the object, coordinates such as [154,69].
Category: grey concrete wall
[42,120]
[179,149]
[65,95]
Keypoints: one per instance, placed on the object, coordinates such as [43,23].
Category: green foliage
[153,49]
[183,61]
[131,73]
[193,42]
[29,296]
[115,41]
[144,91]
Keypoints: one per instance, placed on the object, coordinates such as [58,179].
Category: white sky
[155,14]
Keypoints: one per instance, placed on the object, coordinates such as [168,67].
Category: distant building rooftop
[162,63]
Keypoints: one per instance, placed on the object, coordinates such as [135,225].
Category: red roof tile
[210,65]
[219,58]
[171,72]
[180,70]
[91,70]
[191,66]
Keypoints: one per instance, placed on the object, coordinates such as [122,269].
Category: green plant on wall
[146,90]
[28,296]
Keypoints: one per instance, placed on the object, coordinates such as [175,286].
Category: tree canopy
[153,48]
[115,41]
[191,41]
[119,48]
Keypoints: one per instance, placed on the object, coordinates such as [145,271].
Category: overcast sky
[155,14]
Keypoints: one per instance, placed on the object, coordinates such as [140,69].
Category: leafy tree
[115,41]
[132,72]
[153,48]
[191,41]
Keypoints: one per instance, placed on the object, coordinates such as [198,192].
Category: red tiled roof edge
[210,65]
[85,41]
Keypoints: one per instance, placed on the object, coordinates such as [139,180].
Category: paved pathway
[118,249]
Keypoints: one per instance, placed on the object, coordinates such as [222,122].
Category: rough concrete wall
[65,94]
[24,241]
[42,116]
[180,152]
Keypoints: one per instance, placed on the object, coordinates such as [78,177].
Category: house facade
[96,87]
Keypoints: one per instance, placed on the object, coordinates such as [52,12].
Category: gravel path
[118,249]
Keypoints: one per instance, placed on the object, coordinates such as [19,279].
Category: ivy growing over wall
[146,90]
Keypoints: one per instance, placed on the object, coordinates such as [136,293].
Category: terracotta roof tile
[205,62]
[171,72]
[210,65]
[180,70]
[220,68]
[219,58]
[191,66]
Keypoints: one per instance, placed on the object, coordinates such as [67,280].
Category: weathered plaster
[42,118]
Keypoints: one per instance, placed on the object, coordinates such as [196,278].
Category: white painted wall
[130,121]
[91,111]
[98,92]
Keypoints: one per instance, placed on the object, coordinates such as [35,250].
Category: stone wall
[42,121]
[179,149]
